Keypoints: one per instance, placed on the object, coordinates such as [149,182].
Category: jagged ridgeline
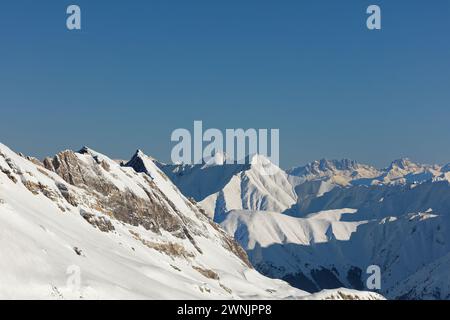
[135,200]
[323,225]
[126,228]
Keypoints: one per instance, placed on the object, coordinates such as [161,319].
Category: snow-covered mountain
[348,172]
[80,225]
[322,251]
[222,188]
[346,217]
[341,172]
[320,185]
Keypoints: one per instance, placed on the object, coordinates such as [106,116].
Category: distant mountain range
[141,229]
[320,226]
[125,231]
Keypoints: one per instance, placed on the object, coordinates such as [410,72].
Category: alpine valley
[322,225]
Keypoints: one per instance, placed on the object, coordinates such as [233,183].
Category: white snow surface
[341,217]
[44,241]
[222,188]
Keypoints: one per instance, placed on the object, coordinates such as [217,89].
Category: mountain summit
[130,234]
[321,225]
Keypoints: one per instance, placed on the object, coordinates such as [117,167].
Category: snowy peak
[85,150]
[139,154]
[446,168]
[137,161]
[132,234]
[142,163]
[321,225]
[219,159]
[348,172]
[402,167]
[404,171]
[257,185]
[404,164]
[337,172]
[122,193]
[326,167]
[126,230]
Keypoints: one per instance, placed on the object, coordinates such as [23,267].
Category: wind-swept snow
[81,226]
[398,222]
[43,237]
[222,188]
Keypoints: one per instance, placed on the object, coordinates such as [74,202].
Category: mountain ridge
[311,240]
[130,235]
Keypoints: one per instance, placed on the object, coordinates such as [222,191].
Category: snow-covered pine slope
[130,235]
[221,188]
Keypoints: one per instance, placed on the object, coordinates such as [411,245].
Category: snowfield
[321,226]
[81,226]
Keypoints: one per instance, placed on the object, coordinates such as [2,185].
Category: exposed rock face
[102,223]
[124,205]
[207,273]
[326,167]
[132,235]
[144,164]
[143,201]
[8,174]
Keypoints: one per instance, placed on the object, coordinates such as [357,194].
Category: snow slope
[322,251]
[222,188]
[398,220]
[348,172]
[42,235]
[123,234]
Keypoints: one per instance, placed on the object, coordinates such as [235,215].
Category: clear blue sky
[140,69]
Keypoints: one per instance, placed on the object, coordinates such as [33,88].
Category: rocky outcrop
[133,235]
[124,205]
[140,202]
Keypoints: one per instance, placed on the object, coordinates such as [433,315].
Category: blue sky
[140,69]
